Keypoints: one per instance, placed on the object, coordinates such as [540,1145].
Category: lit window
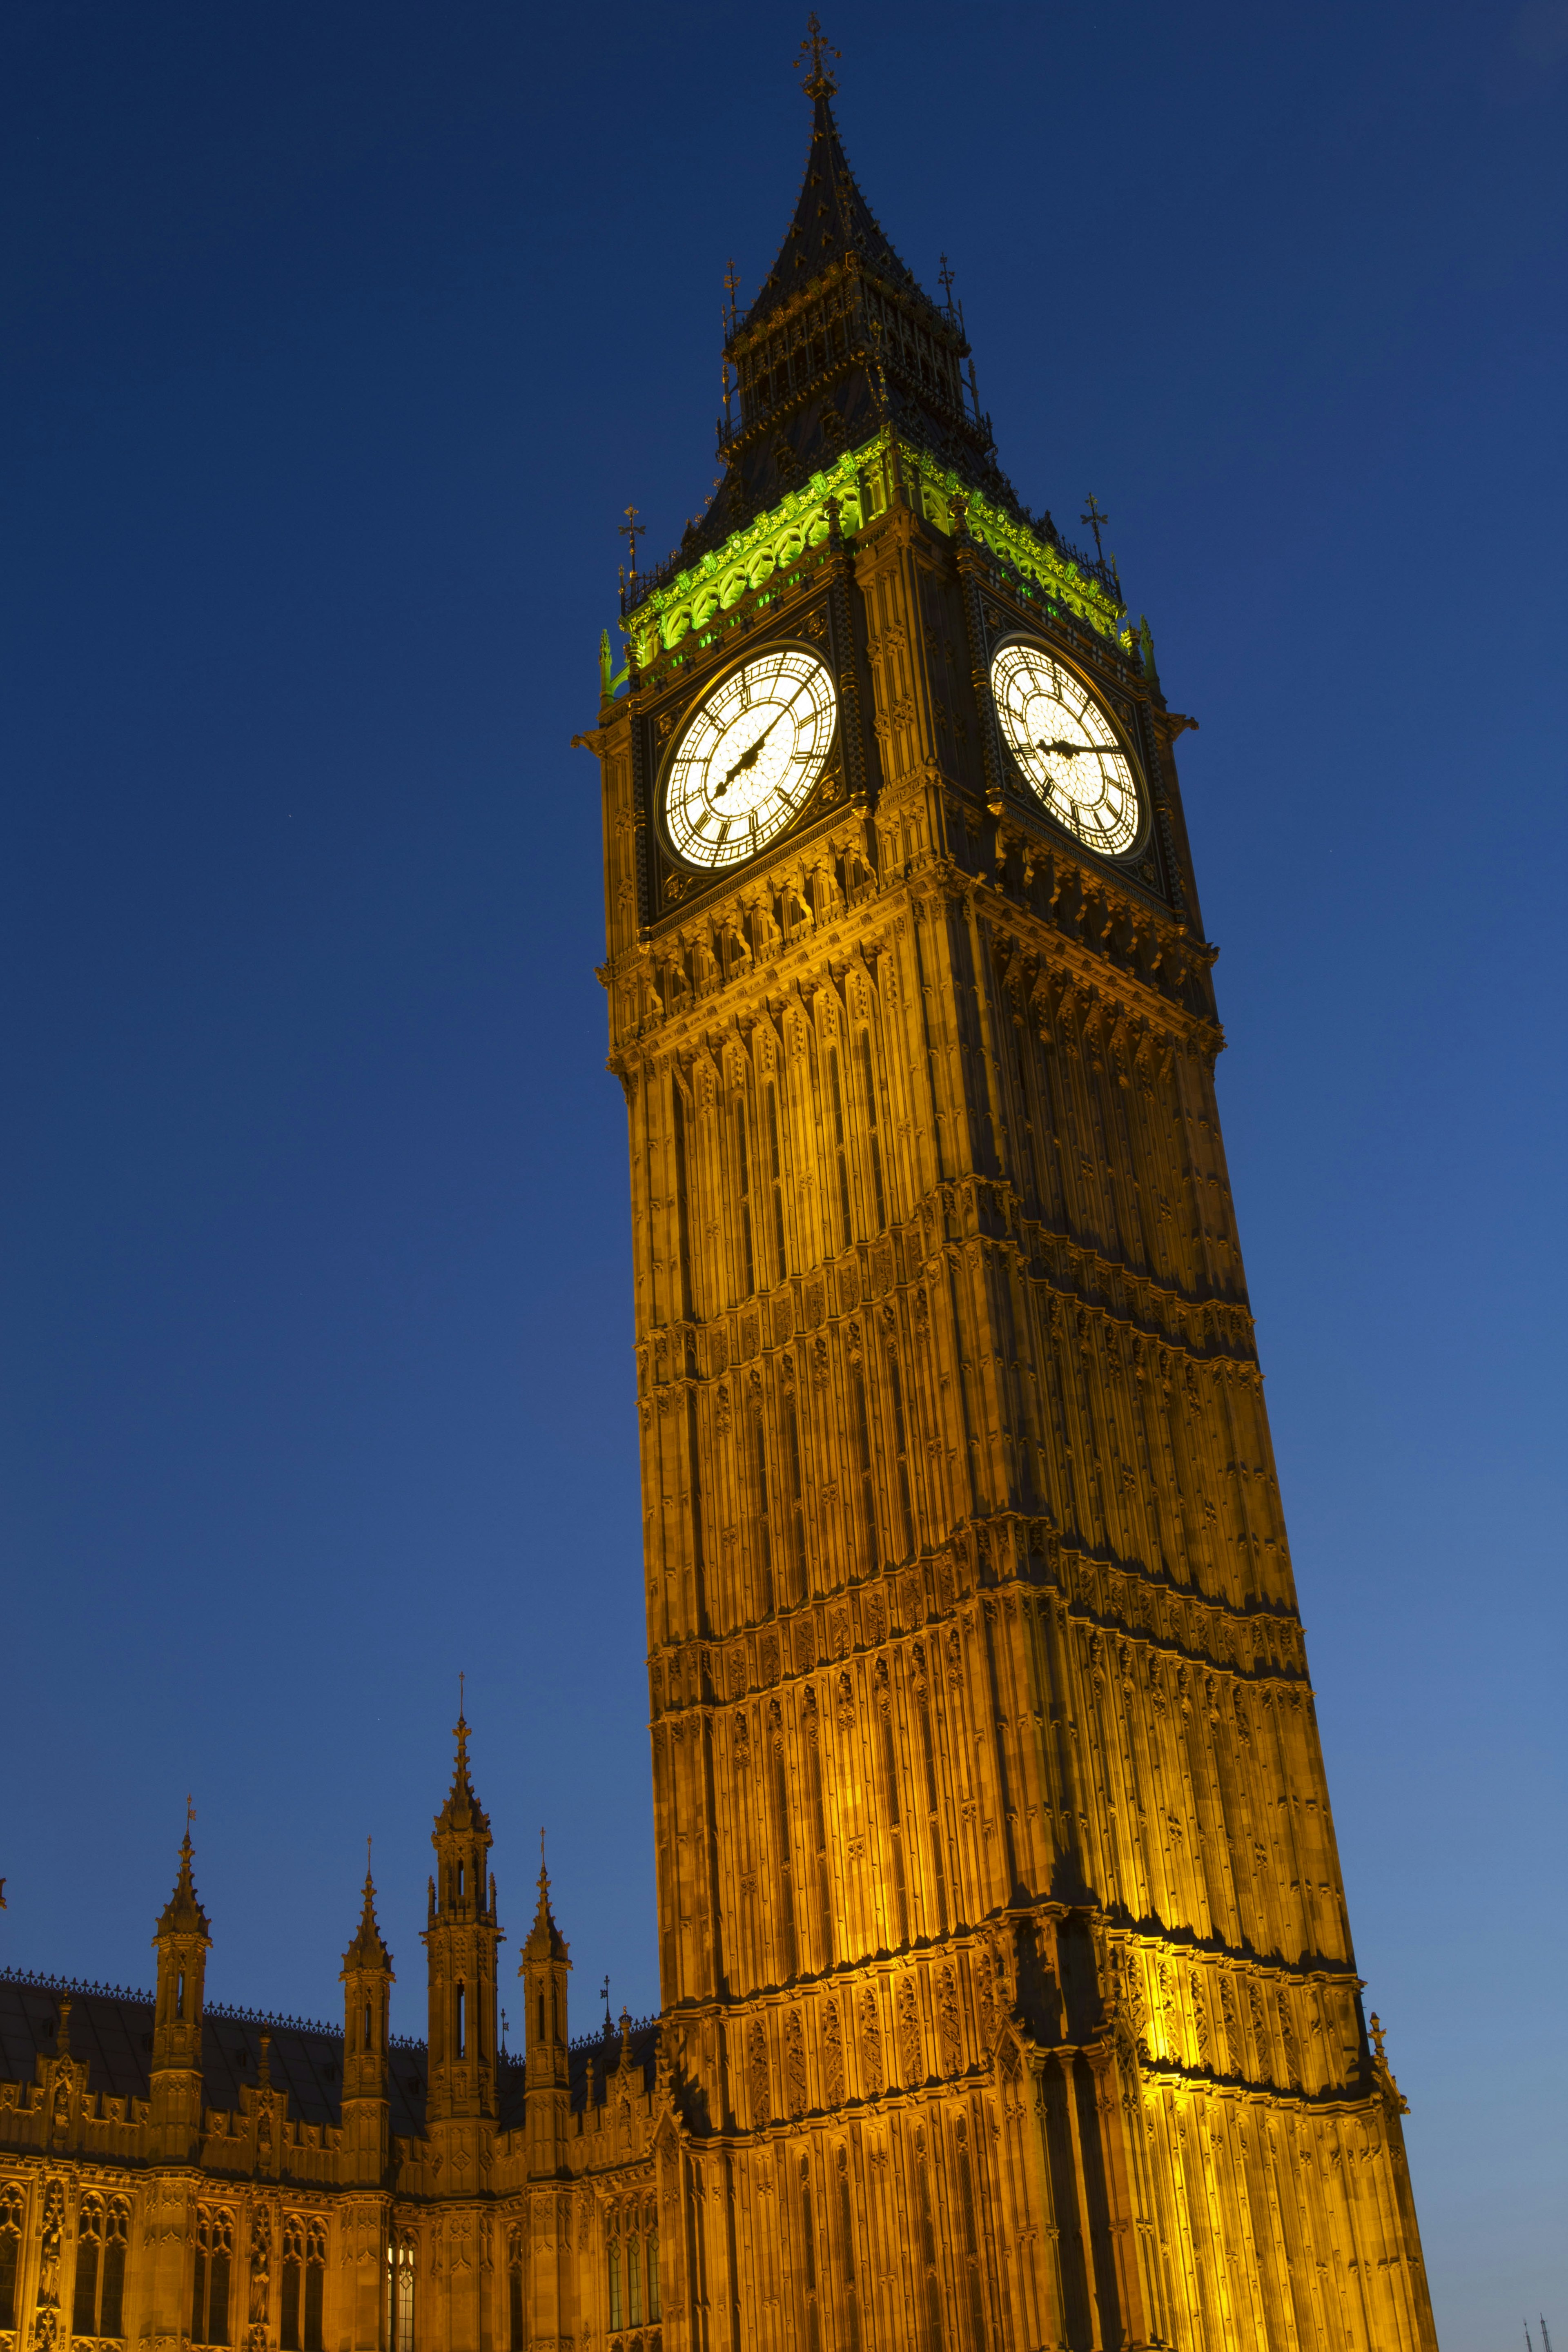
[400,2291]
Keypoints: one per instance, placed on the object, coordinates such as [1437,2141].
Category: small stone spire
[461,1942]
[182,1941]
[545,1940]
[182,1914]
[368,1951]
[544,1967]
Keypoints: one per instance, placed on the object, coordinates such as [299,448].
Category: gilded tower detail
[1008,1992]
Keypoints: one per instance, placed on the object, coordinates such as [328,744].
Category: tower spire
[182,1940]
[544,1966]
[461,1942]
[367,1981]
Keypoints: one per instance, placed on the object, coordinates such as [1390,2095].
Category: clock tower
[1008,1992]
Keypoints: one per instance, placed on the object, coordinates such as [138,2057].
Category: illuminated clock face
[1068,748]
[749,760]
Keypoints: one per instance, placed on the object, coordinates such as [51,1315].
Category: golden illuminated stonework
[1008,1998]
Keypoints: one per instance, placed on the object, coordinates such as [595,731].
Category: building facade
[176,2174]
[1007,1991]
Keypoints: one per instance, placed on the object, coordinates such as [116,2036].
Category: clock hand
[1072,750]
[747,759]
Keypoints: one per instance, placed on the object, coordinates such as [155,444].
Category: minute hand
[747,759]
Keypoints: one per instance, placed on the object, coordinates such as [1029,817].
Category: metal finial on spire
[817,83]
[631,531]
[1094,520]
[944,280]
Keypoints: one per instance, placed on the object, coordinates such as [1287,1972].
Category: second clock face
[1068,748]
[749,760]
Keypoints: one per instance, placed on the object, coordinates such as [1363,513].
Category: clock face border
[1033,798]
[716,874]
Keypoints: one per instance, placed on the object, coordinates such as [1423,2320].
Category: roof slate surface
[113,2032]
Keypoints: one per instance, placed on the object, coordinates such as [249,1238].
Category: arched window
[210,2275]
[88,2256]
[634,2281]
[654,2309]
[400,2291]
[462,2024]
[101,2234]
[294,2283]
[614,2283]
[10,2253]
[304,2285]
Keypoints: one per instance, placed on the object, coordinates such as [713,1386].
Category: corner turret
[461,1942]
[367,1981]
[544,1967]
[182,1942]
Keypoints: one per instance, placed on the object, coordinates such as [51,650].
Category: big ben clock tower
[1008,1992]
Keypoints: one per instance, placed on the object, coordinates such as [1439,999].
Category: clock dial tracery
[1067,748]
[751,758]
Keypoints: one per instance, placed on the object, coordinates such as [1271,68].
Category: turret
[181,1943]
[544,1969]
[367,1981]
[460,1941]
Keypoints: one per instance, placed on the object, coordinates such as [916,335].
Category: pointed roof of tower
[182,1914]
[832,220]
[462,1815]
[545,1940]
[840,344]
[368,1951]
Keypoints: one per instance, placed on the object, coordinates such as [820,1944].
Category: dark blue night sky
[337,337]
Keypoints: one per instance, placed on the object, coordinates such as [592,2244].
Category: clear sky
[337,337]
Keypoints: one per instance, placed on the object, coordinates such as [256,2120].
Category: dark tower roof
[840,344]
[368,1951]
[545,1940]
[182,1914]
[462,1815]
[831,220]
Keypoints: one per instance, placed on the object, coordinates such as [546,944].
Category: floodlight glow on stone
[1068,748]
[750,759]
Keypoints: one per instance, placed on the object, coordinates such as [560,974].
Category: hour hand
[1071,751]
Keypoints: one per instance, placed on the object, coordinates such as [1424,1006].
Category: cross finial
[605,1989]
[817,83]
[944,280]
[1094,520]
[631,532]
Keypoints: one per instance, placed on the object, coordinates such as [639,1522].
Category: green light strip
[860,481]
